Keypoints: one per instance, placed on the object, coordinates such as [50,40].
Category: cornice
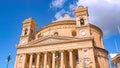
[66,40]
[116,58]
[101,49]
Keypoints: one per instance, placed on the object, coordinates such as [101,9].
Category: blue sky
[103,13]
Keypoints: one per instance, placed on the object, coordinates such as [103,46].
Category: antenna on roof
[118,29]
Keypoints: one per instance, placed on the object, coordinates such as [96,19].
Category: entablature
[50,40]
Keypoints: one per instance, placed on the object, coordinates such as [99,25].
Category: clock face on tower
[23,41]
[82,32]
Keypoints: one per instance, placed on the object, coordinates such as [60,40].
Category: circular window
[56,34]
[74,33]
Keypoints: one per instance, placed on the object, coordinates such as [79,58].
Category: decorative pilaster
[91,55]
[80,57]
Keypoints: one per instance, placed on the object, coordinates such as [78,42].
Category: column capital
[30,53]
[38,53]
[53,51]
[62,51]
[45,52]
[70,50]
[80,49]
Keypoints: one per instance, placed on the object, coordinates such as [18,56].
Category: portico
[66,58]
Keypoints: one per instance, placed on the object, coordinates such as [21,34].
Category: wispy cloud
[57,3]
[103,13]
[59,14]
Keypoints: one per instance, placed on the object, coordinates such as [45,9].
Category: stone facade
[116,61]
[65,43]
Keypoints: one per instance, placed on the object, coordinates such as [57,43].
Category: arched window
[26,31]
[74,33]
[82,21]
[56,34]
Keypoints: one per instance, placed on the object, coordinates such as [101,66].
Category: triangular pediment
[50,40]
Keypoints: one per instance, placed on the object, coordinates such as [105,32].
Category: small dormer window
[26,31]
[82,21]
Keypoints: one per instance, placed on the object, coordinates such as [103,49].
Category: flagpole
[7,64]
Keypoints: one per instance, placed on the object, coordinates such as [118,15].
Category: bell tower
[81,16]
[82,24]
[29,27]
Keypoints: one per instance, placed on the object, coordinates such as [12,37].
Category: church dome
[65,18]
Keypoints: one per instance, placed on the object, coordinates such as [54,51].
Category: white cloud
[103,13]
[72,7]
[59,14]
[113,55]
[57,3]
[113,1]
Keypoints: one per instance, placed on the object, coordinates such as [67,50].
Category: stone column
[45,60]
[71,59]
[62,59]
[24,61]
[31,58]
[38,61]
[53,59]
